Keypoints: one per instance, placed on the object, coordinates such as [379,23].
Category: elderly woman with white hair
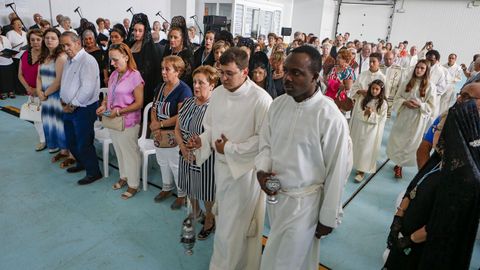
[65,25]
[91,47]
[328,62]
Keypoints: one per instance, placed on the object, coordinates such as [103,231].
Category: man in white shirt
[455,75]
[363,58]
[272,39]
[79,95]
[305,143]
[232,125]
[373,73]
[438,77]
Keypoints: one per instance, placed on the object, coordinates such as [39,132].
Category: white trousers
[167,159]
[126,148]
[39,126]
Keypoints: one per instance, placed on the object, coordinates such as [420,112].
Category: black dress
[416,216]
[199,60]
[148,64]
[99,56]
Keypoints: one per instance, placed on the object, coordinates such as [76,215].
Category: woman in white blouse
[6,71]
[18,40]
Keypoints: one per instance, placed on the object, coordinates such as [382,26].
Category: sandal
[200,218]
[59,157]
[129,193]
[67,162]
[120,184]
[205,233]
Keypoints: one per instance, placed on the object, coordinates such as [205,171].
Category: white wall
[314,16]
[115,10]
[364,22]
[307,16]
[329,15]
[449,24]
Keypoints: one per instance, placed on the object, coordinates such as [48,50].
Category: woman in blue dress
[52,59]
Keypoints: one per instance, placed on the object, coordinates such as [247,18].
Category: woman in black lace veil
[436,224]
[260,72]
[183,50]
[145,54]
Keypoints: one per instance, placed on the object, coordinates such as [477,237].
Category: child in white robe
[366,128]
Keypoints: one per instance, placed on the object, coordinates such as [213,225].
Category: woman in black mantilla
[261,73]
[179,44]
[145,54]
[436,223]
[204,55]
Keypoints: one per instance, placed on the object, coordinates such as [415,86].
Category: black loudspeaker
[215,20]
[286,31]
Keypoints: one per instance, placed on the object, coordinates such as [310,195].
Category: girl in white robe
[415,106]
[366,128]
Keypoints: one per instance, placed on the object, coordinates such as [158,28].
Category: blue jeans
[80,135]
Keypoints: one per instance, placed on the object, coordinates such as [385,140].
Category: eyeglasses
[464,96]
[228,74]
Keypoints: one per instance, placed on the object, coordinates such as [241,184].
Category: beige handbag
[164,138]
[117,123]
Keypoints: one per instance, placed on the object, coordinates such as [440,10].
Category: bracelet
[400,209]
[161,124]
[118,112]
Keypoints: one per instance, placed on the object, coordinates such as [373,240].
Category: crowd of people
[231,113]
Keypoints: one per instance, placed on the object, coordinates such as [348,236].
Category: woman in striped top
[197,181]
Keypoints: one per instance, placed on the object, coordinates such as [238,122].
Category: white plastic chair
[147,147]
[103,136]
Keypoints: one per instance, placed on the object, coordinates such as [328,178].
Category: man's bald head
[388,58]
[470,91]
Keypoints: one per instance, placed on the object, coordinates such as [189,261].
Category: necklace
[413,193]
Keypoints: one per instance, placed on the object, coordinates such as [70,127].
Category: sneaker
[40,146]
[3,96]
[359,177]
[398,172]
[53,150]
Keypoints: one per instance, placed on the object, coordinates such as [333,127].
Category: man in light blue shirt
[79,94]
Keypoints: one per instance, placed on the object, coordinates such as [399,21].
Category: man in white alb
[438,77]
[455,75]
[232,125]
[305,143]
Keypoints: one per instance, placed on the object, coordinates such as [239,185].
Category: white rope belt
[301,192]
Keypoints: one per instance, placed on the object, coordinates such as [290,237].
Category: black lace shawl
[260,59]
[453,223]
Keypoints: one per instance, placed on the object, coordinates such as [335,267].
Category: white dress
[307,145]
[367,133]
[410,125]
[239,200]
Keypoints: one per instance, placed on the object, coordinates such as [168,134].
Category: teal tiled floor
[49,222]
